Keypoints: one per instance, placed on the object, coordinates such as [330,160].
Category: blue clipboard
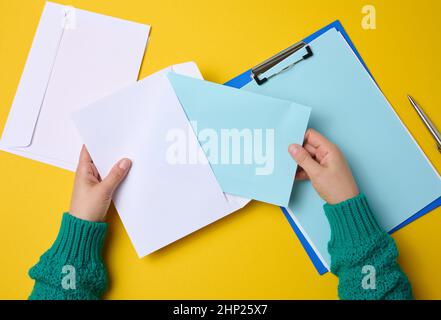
[245,78]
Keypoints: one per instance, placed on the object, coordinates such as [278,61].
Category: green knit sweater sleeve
[72,269]
[363,256]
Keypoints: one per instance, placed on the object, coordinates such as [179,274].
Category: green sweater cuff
[352,222]
[78,240]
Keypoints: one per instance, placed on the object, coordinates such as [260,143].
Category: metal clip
[275,60]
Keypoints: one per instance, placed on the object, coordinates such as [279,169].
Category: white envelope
[158,202]
[76,57]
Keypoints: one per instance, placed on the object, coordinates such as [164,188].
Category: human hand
[323,163]
[91,196]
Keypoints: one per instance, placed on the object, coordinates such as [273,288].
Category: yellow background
[252,253]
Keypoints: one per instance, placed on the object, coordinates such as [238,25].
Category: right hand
[323,163]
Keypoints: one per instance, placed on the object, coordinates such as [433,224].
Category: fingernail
[293,149]
[125,164]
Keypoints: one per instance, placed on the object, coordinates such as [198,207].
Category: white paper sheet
[159,202]
[76,57]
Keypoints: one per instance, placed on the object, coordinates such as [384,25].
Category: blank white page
[158,202]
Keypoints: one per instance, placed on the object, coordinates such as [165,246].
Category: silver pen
[429,125]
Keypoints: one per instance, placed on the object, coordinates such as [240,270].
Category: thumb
[304,159]
[116,175]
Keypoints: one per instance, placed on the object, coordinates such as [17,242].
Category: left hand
[92,195]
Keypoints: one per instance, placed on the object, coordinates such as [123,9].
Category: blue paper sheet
[245,136]
[349,108]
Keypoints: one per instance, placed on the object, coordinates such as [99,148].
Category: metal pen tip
[413,102]
[429,125]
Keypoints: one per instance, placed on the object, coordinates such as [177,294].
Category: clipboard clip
[276,59]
